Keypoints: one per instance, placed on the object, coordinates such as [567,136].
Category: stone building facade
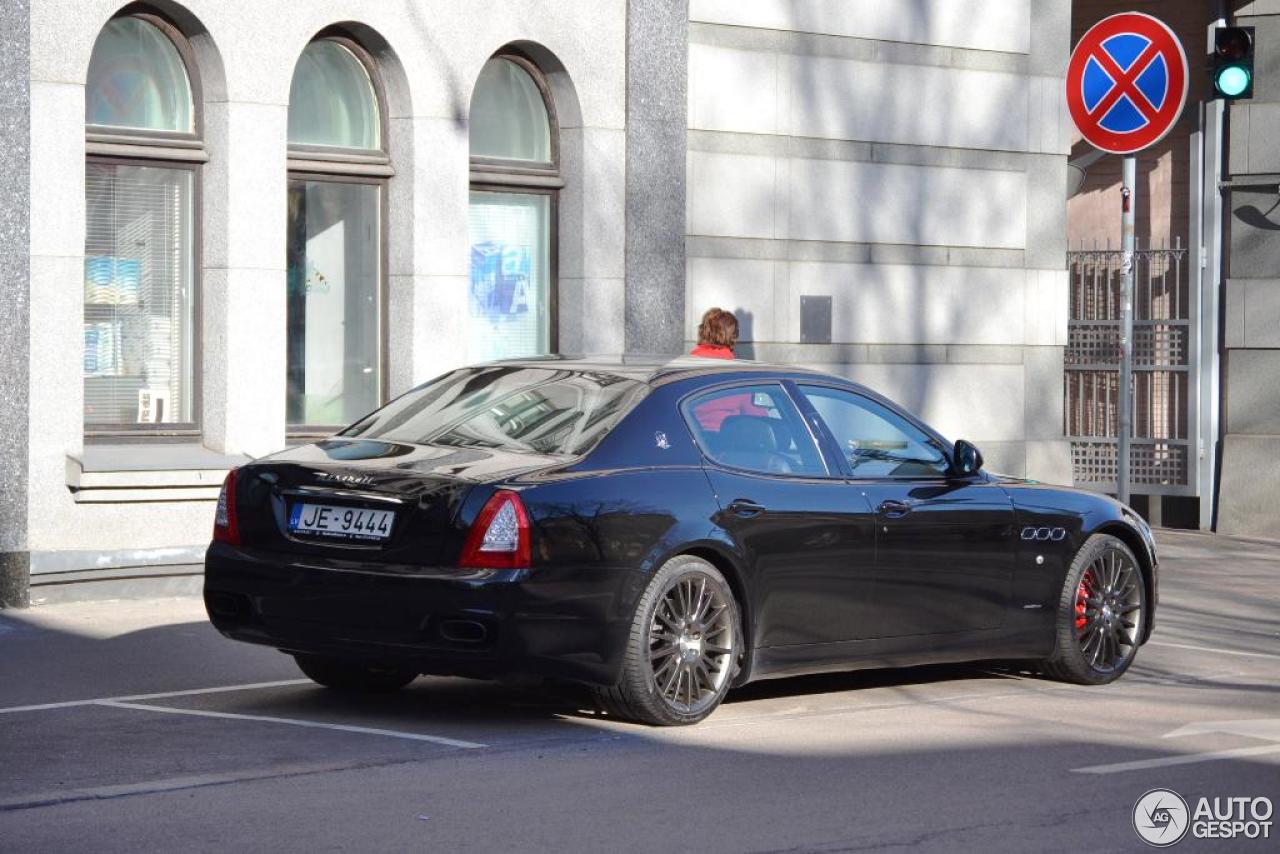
[875,188]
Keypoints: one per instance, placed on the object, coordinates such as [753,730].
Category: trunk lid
[422,485]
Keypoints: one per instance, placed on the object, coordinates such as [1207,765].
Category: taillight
[226,527]
[499,537]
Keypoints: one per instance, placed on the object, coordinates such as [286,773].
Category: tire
[1101,614]
[354,677]
[683,648]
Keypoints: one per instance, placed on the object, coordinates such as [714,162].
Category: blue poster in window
[508,290]
[499,280]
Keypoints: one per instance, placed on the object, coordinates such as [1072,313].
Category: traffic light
[1233,62]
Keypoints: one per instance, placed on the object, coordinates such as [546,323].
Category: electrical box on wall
[815,320]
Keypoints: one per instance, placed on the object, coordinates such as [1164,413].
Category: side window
[877,441]
[754,427]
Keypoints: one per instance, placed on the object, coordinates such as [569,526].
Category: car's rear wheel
[353,676]
[1100,614]
[682,653]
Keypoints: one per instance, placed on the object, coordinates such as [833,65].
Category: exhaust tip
[229,605]
[470,632]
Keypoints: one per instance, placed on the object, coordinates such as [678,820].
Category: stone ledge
[67,563]
[119,583]
[122,457]
[133,473]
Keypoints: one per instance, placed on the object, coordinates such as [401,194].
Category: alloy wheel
[1108,611]
[691,643]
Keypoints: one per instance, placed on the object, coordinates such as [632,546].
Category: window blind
[138,296]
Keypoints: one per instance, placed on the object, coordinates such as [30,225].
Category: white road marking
[203,713]
[1214,650]
[171,784]
[132,702]
[1185,759]
[1267,729]
[190,692]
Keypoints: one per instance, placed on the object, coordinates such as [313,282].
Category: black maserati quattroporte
[664,533]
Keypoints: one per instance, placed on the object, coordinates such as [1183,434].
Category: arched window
[141,280]
[515,176]
[338,169]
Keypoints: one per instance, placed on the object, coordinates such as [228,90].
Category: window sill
[127,473]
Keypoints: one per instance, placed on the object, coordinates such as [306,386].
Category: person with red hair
[717,337]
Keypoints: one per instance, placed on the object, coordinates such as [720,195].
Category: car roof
[657,370]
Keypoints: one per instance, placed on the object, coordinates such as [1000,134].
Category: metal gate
[1165,354]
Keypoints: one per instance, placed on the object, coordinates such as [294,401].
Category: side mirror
[965,458]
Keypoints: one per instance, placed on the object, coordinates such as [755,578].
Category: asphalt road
[111,739]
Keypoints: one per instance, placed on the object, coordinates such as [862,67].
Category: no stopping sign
[1126,82]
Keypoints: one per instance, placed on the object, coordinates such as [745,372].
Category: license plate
[348,523]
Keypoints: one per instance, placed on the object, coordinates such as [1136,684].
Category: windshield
[532,410]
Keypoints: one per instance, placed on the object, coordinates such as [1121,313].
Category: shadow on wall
[1093,211]
[746,324]
[855,213]
[1254,217]
[459,93]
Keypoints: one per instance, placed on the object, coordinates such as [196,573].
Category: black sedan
[663,533]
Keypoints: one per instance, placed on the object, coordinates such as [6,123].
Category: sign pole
[1128,195]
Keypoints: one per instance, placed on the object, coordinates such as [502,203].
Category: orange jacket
[712,414]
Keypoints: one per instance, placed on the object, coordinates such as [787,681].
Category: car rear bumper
[556,622]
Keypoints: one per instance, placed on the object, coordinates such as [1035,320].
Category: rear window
[532,410]
[754,427]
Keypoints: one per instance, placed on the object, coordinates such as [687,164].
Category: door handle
[746,507]
[894,508]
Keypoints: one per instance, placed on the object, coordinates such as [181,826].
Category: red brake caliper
[1082,599]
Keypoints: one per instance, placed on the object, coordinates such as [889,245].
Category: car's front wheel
[353,676]
[683,649]
[1100,614]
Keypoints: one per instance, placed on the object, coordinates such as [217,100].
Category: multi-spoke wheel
[683,649]
[691,642]
[1100,614]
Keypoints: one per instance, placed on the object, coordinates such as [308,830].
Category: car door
[944,543]
[807,539]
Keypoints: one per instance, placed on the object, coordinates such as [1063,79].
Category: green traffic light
[1232,80]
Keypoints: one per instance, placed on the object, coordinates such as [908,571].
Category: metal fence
[1164,411]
